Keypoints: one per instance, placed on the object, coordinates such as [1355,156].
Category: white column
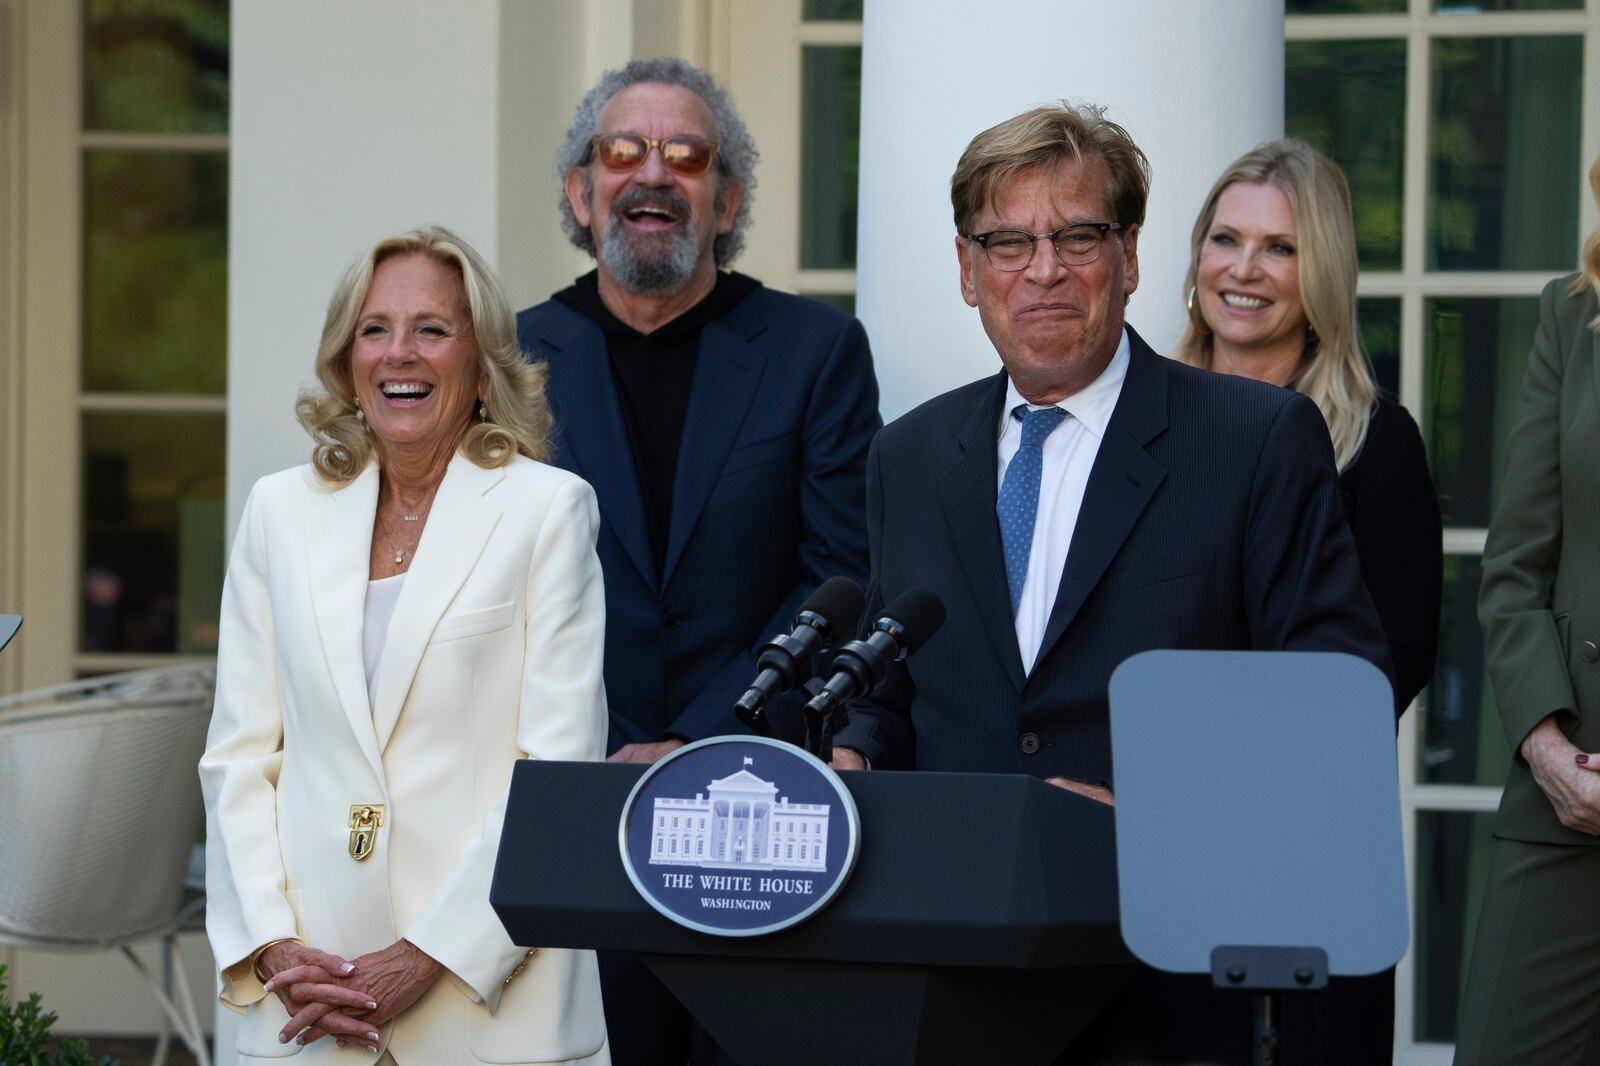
[1196,83]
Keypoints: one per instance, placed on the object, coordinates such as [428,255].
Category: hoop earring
[1195,316]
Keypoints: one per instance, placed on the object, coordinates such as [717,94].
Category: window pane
[1504,171]
[1343,7]
[1347,98]
[153,520]
[1380,335]
[829,142]
[156,66]
[832,10]
[155,265]
[844,301]
[1477,351]
[1471,7]
[1452,861]
[1462,742]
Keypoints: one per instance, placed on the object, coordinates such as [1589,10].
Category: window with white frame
[1465,129]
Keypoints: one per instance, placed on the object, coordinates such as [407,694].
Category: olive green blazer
[1540,601]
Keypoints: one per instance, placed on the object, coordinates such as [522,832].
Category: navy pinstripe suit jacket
[1211,520]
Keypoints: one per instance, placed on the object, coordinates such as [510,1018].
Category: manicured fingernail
[268,986]
[348,967]
[373,1036]
[1583,760]
[371,1005]
[283,1038]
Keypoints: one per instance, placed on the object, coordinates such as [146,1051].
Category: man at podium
[1091,501]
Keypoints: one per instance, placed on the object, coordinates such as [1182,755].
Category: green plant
[25,1036]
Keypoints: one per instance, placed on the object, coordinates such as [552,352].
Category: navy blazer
[767,502]
[1211,519]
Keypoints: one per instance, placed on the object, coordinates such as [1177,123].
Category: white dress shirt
[1069,455]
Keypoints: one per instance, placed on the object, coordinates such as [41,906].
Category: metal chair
[100,807]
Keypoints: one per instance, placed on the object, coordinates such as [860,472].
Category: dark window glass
[153,521]
[1503,159]
[1344,7]
[1380,335]
[1462,742]
[155,66]
[1472,7]
[1452,859]
[155,266]
[1347,99]
[1477,353]
[832,10]
[844,301]
[830,139]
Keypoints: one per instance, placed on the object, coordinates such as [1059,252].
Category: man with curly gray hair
[723,425]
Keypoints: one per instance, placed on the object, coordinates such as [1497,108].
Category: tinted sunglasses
[682,154]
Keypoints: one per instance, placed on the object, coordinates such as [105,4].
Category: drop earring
[361,416]
[483,411]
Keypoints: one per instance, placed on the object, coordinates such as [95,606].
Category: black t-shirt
[653,372]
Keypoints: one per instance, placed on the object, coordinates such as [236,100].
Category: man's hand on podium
[645,753]
[1098,793]
[848,759]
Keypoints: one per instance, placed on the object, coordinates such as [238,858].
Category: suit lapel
[338,545]
[1122,481]
[726,371]
[459,524]
[967,494]
[590,423]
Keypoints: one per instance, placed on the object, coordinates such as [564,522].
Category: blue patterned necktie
[1019,495]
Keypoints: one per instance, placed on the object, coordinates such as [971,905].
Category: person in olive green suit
[1533,989]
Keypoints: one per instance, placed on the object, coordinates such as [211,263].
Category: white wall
[1196,83]
[362,118]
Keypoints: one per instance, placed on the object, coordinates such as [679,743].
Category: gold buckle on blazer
[365,820]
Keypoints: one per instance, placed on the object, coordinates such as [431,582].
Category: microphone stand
[820,725]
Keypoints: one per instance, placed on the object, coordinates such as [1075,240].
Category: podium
[980,923]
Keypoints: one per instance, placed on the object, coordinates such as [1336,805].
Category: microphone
[785,659]
[902,627]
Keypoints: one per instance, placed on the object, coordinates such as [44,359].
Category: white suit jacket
[494,654]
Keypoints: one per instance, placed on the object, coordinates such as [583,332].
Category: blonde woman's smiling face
[414,359]
[1248,279]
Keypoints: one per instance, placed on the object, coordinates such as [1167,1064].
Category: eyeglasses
[1077,244]
[682,154]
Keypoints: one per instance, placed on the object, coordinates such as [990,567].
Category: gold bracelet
[255,956]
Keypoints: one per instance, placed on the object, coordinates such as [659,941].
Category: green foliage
[25,1036]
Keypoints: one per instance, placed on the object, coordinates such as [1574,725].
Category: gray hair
[736,156]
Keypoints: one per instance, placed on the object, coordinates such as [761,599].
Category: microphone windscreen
[920,612]
[840,601]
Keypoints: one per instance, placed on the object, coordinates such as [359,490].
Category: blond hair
[1044,137]
[513,394]
[1334,371]
[1589,270]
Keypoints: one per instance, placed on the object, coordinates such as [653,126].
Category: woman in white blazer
[403,619]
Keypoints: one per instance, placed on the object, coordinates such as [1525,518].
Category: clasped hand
[1567,775]
[326,995]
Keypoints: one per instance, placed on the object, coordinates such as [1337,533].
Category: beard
[654,264]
